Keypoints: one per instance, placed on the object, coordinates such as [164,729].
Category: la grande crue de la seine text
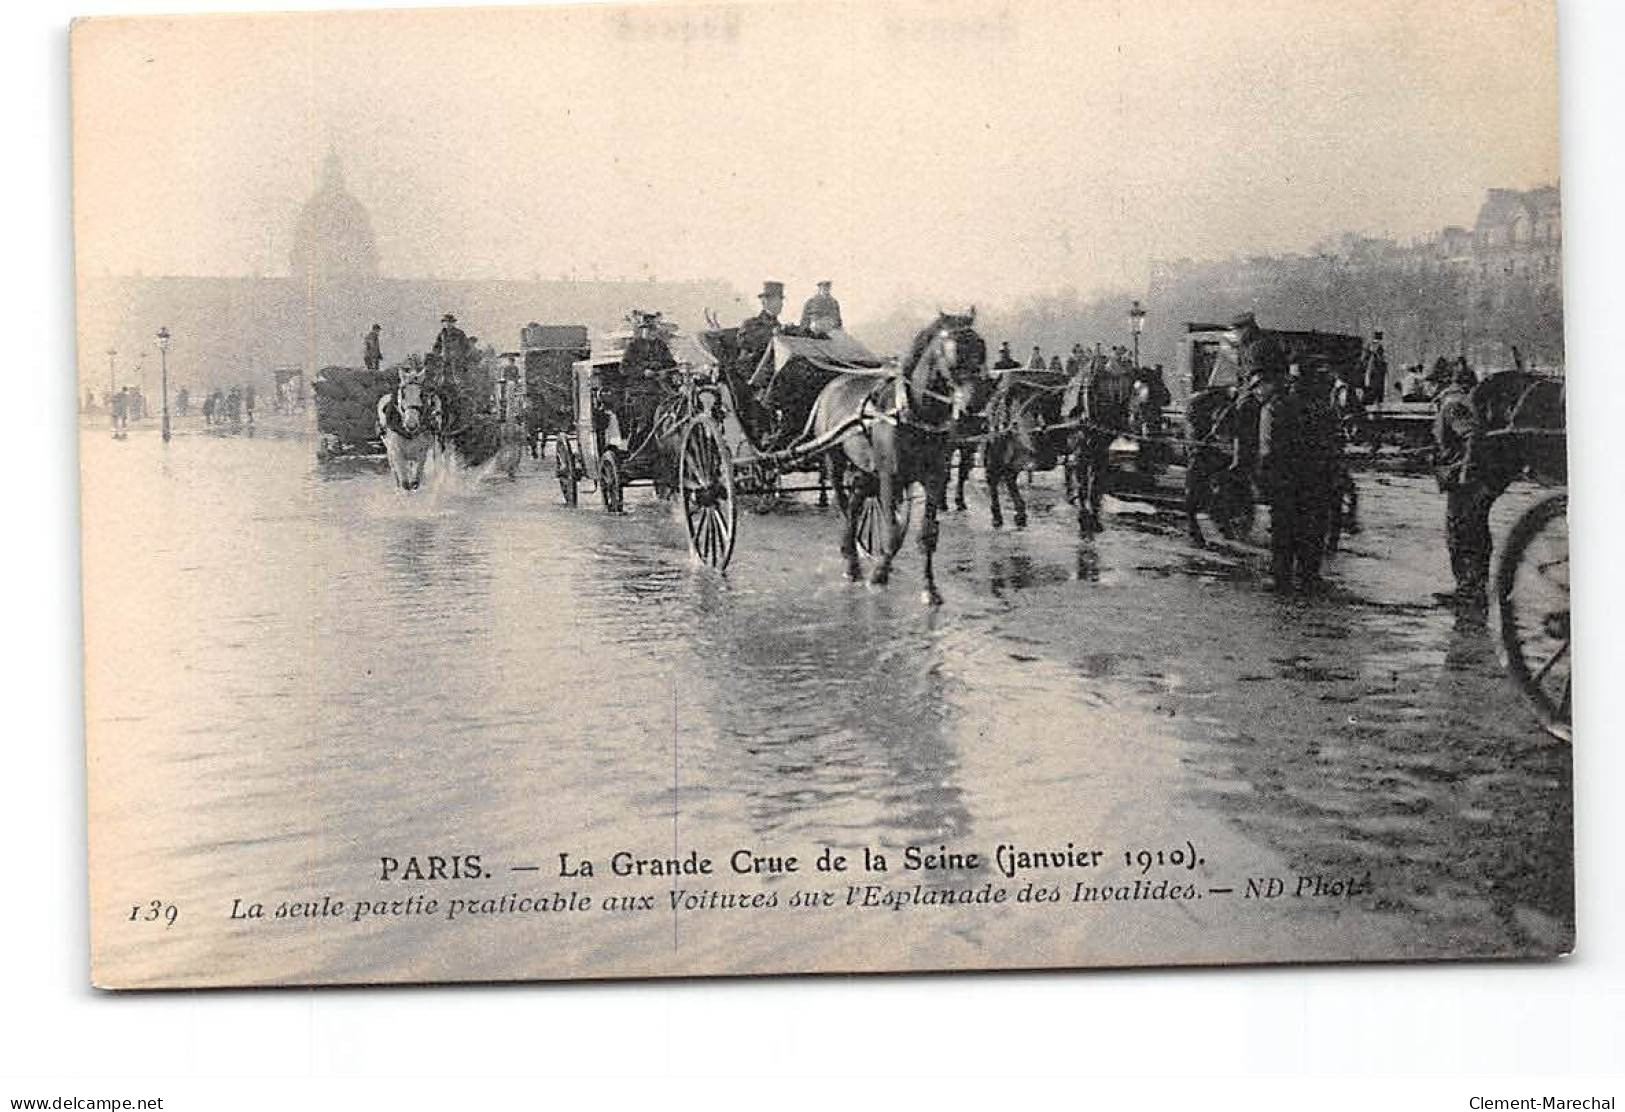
[1007,859]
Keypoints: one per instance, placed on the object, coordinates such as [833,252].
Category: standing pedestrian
[1467,496]
[372,350]
[1280,437]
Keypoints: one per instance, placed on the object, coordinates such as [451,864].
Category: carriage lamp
[1136,320]
[163,355]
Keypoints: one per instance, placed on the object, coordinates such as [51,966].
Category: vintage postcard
[706,489]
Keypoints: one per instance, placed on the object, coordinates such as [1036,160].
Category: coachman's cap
[825,284]
[1244,320]
[771,289]
[448,319]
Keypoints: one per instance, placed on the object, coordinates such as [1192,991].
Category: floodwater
[296,671]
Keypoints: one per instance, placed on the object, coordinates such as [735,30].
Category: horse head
[416,406]
[945,360]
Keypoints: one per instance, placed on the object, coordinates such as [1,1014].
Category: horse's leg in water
[849,535]
[1083,469]
[928,529]
[1099,465]
[1196,480]
[993,464]
[886,496]
[1016,499]
[1089,492]
[967,460]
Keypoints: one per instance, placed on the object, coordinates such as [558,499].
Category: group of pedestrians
[229,407]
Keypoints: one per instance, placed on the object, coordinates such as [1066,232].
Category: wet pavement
[297,669]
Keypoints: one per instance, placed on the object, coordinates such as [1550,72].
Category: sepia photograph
[669,490]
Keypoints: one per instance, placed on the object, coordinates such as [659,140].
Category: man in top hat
[822,313]
[372,352]
[756,333]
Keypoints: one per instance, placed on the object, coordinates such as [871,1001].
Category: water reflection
[833,715]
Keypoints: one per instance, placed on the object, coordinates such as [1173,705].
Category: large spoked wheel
[871,532]
[710,511]
[564,467]
[1532,597]
[609,482]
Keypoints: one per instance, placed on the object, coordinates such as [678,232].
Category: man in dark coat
[372,352]
[1280,457]
[821,313]
[1006,361]
[1374,369]
[756,333]
[451,344]
[1468,497]
[1258,353]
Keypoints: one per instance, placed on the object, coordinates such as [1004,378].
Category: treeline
[1423,312]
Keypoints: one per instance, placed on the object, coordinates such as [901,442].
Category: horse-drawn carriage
[732,430]
[466,403]
[1523,437]
[616,407]
[346,410]
[1213,381]
[547,354]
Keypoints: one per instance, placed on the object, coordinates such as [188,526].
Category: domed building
[333,236]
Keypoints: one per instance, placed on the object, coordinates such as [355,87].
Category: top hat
[771,289]
[448,319]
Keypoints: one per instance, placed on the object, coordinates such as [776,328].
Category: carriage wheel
[710,511]
[609,482]
[1532,596]
[564,466]
[870,534]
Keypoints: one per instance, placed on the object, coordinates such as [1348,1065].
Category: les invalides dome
[333,237]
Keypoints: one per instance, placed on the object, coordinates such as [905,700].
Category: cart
[1527,439]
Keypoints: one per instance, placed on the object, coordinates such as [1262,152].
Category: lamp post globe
[163,355]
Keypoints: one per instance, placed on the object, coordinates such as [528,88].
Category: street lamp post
[1136,318]
[112,388]
[163,355]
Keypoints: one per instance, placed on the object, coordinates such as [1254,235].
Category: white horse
[409,420]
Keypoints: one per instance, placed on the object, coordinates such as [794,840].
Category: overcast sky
[956,152]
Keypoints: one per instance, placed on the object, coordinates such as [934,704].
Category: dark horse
[1511,403]
[899,431]
[1021,421]
[1098,403]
